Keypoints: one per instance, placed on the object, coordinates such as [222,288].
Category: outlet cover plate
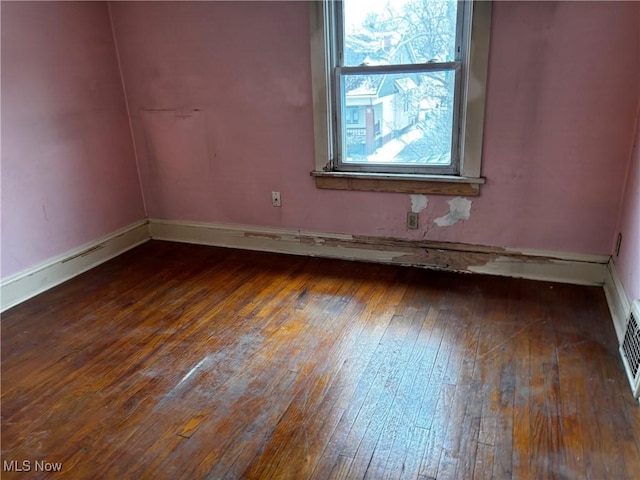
[412,220]
[276,201]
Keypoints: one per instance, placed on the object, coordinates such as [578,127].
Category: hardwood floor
[180,361]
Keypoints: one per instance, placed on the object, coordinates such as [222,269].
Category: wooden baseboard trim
[530,264]
[29,283]
[537,265]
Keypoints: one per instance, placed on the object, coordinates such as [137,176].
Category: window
[392,83]
[353,115]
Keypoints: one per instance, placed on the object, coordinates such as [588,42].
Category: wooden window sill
[384,182]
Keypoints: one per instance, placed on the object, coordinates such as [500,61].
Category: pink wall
[221,106]
[628,263]
[68,168]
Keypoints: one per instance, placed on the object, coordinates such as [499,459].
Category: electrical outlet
[276,201]
[412,220]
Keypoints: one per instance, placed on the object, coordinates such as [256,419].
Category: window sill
[385,182]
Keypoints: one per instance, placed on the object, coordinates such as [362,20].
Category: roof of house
[372,48]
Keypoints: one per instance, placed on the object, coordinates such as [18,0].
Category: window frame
[324,58]
[351,118]
[342,71]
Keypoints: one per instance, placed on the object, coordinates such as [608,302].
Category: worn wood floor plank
[296,452]
[183,361]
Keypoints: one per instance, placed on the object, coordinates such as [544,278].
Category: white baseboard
[619,304]
[26,284]
[537,265]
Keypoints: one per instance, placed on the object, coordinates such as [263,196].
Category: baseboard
[530,264]
[29,283]
[619,304]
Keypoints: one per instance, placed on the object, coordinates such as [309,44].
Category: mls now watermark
[31,466]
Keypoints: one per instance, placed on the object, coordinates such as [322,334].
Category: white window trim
[473,100]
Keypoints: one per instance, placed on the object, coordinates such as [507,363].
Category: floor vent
[630,349]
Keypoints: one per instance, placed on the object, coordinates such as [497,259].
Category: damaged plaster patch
[418,203]
[459,209]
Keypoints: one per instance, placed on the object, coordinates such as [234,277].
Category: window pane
[402,118]
[383,32]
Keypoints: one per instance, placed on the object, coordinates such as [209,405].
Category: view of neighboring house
[378,111]
[395,116]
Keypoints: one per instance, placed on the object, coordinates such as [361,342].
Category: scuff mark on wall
[418,203]
[459,209]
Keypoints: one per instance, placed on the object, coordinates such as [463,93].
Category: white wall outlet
[276,201]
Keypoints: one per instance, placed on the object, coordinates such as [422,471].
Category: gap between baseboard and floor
[529,264]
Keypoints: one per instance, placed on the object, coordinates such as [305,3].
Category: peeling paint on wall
[418,203]
[459,209]
[171,54]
